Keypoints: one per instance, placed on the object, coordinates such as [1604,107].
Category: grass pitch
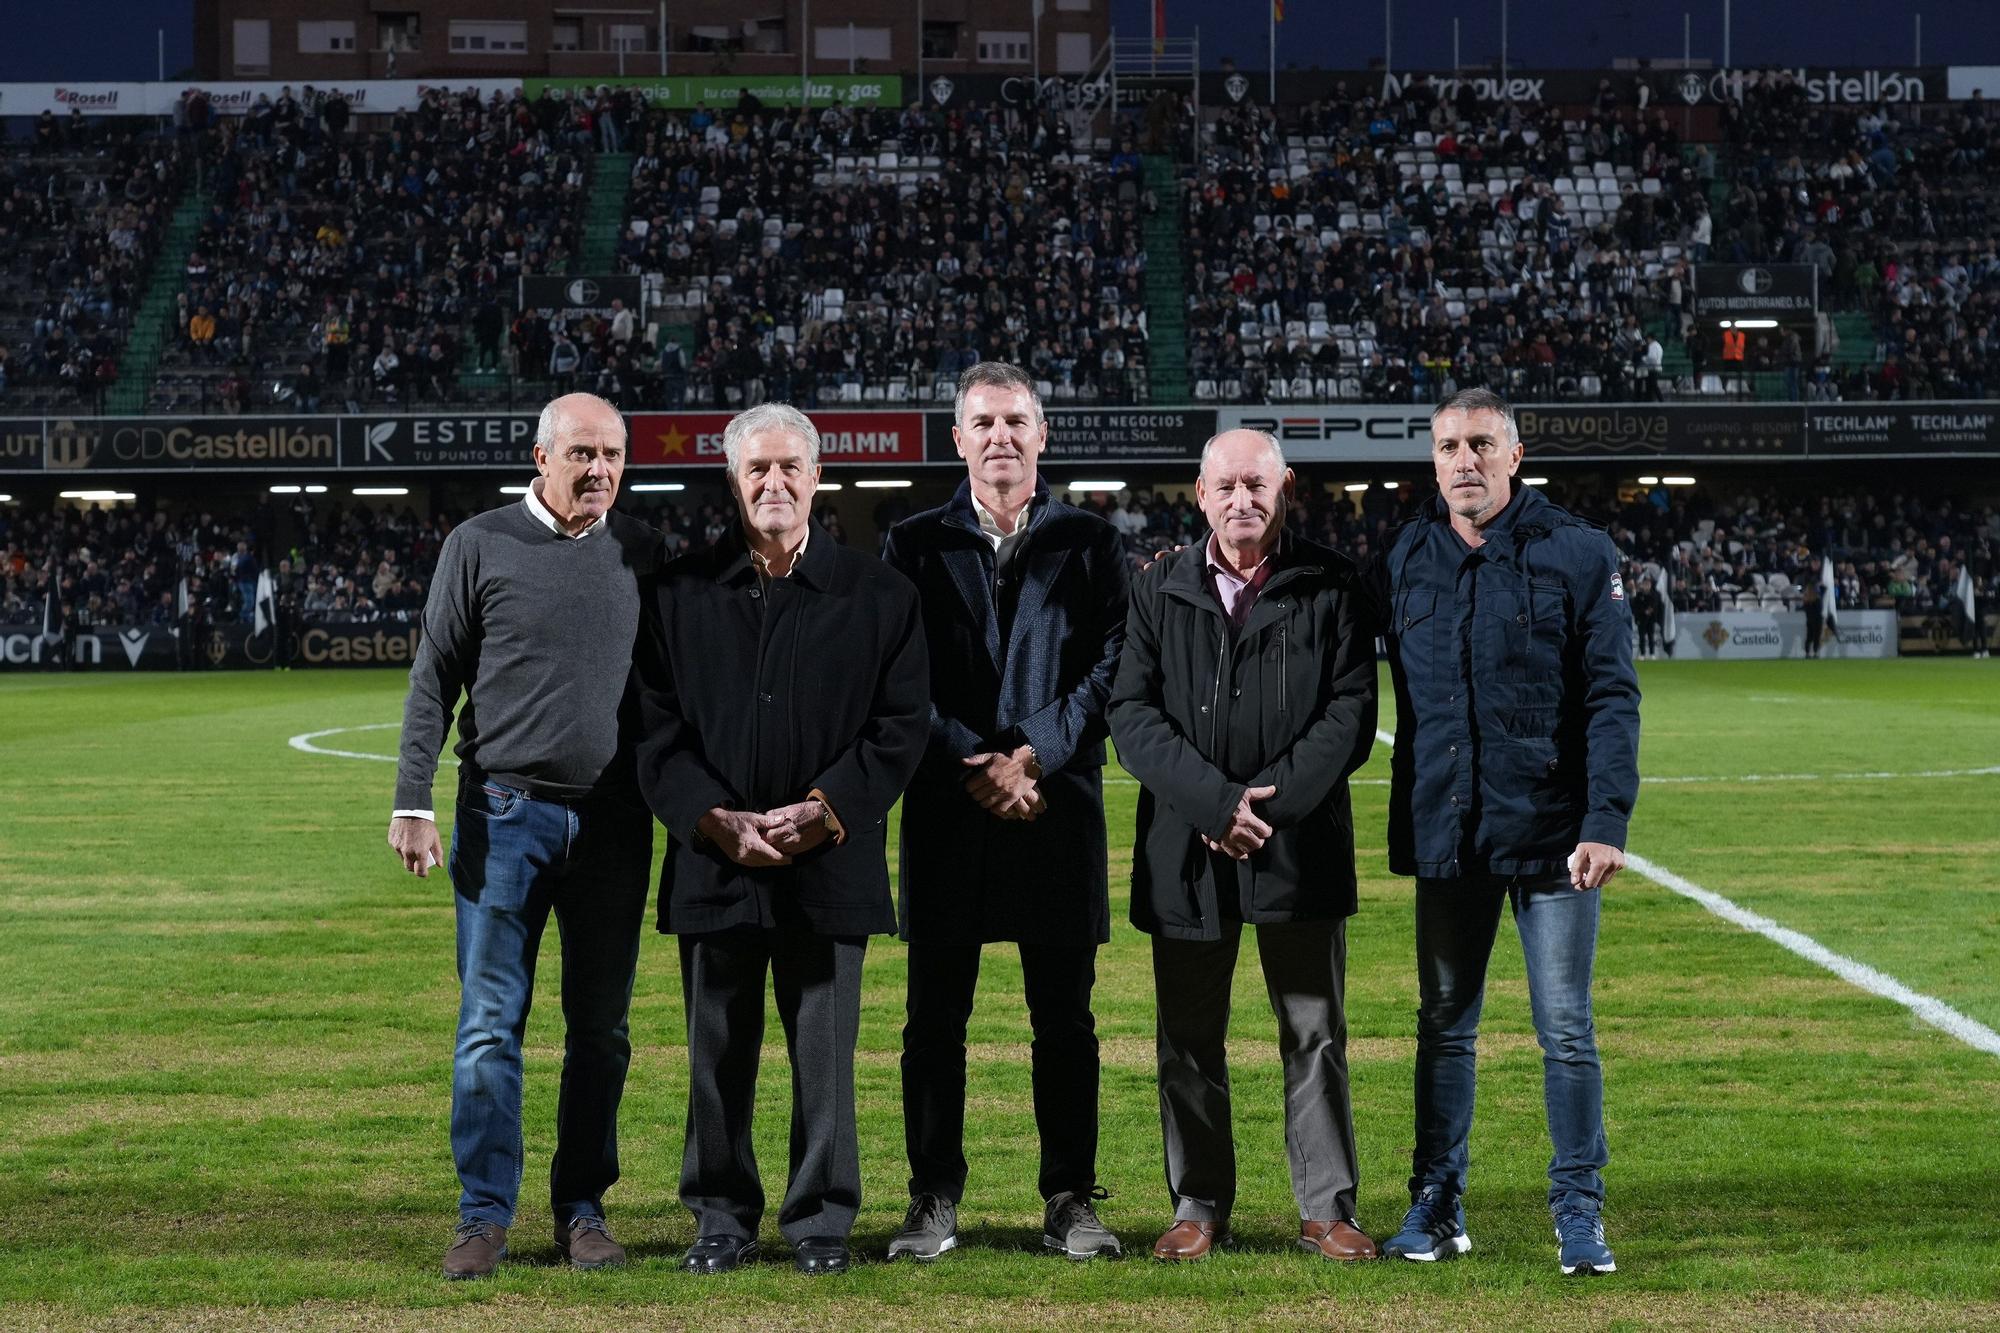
[226,1017]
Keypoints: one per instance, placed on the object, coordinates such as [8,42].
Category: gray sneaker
[1071,1225]
[929,1229]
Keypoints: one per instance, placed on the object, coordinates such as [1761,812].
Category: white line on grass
[1931,1010]
[1928,1008]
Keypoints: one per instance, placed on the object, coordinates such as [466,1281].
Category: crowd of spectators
[1899,208]
[1398,250]
[338,267]
[850,254]
[82,212]
[334,563]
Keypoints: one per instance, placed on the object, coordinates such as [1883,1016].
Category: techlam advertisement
[694,439]
[1735,636]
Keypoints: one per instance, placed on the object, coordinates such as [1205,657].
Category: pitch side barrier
[78,447]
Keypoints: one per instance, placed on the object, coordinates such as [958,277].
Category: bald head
[1243,490]
[580,452]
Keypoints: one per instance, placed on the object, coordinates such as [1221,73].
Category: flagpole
[1273,16]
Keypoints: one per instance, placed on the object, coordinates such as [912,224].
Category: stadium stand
[856,256]
[82,212]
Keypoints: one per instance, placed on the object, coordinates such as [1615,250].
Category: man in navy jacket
[1514,775]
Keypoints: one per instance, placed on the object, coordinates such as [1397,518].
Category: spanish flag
[1277,11]
[1159,27]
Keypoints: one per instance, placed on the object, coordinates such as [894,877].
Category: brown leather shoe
[1338,1239]
[1188,1240]
[586,1242]
[476,1250]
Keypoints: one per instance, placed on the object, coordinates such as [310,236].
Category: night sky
[115,39]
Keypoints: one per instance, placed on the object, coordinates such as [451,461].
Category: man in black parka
[783,693]
[1003,828]
[1244,699]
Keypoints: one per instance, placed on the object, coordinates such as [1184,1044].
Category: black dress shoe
[719,1254]
[820,1254]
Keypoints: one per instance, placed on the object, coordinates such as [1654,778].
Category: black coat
[752,695]
[968,877]
[1201,711]
[1517,709]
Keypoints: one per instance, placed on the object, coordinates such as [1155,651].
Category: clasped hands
[1246,832]
[1006,783]
[771,838]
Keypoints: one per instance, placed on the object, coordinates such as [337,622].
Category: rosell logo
[695,438]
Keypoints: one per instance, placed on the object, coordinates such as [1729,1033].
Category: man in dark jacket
[1003,829]
[1513,779]
[783,698]
[1245,697]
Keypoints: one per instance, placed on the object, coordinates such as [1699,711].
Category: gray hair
[1270,442]
[550,424]
[769,416]
[994,375]
[1480,400]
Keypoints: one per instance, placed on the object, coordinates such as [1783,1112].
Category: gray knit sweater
[535,629]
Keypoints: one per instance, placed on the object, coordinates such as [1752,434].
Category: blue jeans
[1457,920]
[513,860]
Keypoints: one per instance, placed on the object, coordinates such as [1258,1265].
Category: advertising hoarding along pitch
[1860,430]
[719,92]
[694,439]
[1111,434]
[21,444]
[474,440]
[190,444]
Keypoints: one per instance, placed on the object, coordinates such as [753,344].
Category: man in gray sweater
[532,616]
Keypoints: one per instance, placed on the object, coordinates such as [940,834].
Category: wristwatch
[827,821]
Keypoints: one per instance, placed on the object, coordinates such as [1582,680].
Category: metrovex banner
[1753,291]
[217,647]
[694,439]
[1861,86]
[230,97]
[1110,434]
[719,92]
[186,444]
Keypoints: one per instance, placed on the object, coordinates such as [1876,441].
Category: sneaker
[1070,1224]
[1580,1239]
[929,1229]
[586,1242]
[1433,1229]
[476,1249]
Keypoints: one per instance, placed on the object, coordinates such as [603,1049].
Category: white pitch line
[1928,1008]
[304,742]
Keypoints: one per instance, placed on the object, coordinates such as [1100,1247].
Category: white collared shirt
[1003,542]
[763,566]
[533,500]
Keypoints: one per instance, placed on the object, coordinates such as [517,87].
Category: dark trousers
[816,981]
[1305,974]
[1058,979]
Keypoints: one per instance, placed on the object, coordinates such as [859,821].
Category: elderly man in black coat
[783,691]
[1245,697]
[1003,829]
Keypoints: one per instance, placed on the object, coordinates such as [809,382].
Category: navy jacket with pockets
[1517,708]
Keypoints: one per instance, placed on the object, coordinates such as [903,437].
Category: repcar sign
[1328,433]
